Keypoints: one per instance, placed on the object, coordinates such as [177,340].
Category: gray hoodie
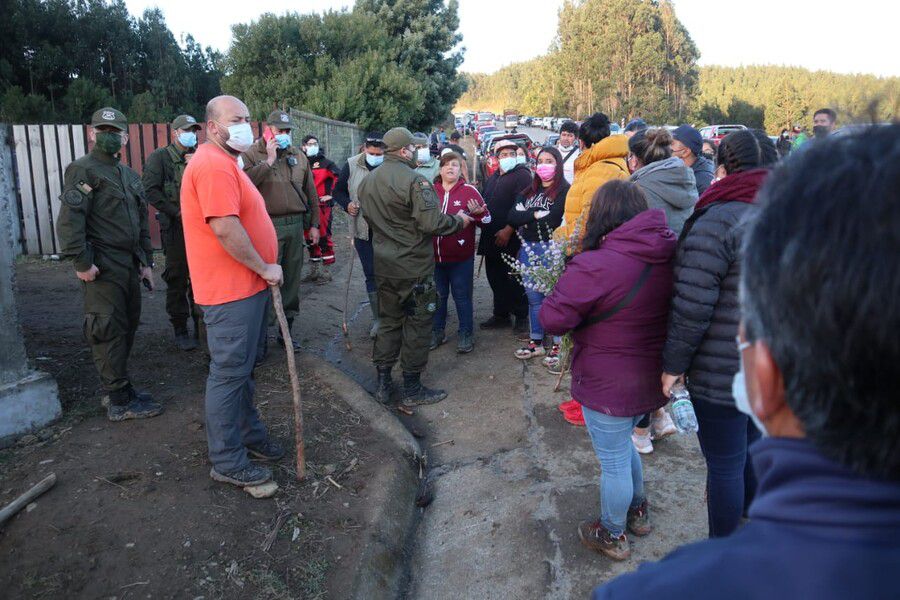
[670,185]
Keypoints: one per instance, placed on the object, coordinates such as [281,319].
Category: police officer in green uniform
[103,225]
[403,213]
[162,181]
[281,173]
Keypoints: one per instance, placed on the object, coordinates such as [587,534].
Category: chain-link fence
[340,140]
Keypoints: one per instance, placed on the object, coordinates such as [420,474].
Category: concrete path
[511,479]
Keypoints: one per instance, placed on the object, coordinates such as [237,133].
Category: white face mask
[423,155]
[741,399]
[312,150]
[240,137]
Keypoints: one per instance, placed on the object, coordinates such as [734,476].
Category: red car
[715,133]
[482,129]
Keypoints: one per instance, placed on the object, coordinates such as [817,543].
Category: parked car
[558,121]
[486,138]
[488,162]
[715,133]
[482,129]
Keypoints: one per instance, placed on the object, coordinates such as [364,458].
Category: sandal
[530,351]
[552,358]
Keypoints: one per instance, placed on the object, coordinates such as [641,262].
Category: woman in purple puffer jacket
[615,296]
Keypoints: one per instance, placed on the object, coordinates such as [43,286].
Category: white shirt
[569,165]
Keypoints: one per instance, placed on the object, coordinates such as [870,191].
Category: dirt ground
[134,512]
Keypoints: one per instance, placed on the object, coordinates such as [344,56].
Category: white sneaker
[662,427]
[642,442]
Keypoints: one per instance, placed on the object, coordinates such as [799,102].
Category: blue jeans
[456,279]
[366,254]
[235,333]
[621,474]
[535,299]
[724,436]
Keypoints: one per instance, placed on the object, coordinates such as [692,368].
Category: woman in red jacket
[454,255]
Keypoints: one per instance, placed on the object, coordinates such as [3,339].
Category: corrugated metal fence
[41,154]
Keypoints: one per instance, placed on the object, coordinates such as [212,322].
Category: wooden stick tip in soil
[295,379]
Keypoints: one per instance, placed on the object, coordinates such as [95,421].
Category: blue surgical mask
[423,155]
[374,160]
[521,160]
[312,150]
[188,139]
[283,139]
[508,164]
[741,399]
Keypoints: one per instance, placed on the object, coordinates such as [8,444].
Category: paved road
[536,134]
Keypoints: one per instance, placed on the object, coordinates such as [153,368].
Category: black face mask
[821,131]
[710,156]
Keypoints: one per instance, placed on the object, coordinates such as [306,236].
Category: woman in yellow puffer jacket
[602,159]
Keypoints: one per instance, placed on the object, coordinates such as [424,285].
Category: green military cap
[280,119]
[399,137]
[185,122]
[109,116]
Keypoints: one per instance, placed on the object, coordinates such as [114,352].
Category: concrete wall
[29,399]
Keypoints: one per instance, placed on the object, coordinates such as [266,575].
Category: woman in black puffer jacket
[704,322]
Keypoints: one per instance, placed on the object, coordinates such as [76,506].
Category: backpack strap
[624,302]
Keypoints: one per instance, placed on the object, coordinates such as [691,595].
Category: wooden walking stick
[22,501]
[295,379]
[562,373]
[344,326]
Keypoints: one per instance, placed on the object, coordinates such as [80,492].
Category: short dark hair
[308,137]
[569,127]
[832,116]
[746,149]
[455,135]
[594,129]
[820,286]
[614,203]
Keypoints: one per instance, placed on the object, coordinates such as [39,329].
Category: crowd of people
[747,278]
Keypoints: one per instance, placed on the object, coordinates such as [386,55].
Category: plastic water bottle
[683,414]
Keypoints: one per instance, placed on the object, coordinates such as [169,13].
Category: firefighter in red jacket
[325,174]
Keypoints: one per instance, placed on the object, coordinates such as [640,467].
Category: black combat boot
[126,404]
[294,343]
[183,339]
[414,393]
[384,389]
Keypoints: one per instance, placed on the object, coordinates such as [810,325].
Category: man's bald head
[221,113]
[225,108]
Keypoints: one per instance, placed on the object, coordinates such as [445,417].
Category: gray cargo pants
[235,332]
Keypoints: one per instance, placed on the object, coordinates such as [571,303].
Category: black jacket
[500,191]
[521,216]
[705,312]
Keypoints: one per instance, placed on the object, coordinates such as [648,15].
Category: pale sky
[807,33]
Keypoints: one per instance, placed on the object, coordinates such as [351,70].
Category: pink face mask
[545,171]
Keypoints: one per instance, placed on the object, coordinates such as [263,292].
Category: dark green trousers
[291,243]
[405,311]
[179,296]
[112,312]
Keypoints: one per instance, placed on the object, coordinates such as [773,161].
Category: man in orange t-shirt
[231,251]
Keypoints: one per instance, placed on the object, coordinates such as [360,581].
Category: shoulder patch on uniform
[73,198]
[427,194]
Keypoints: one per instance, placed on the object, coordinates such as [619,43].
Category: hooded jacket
[430,169]
[500,192]
[616,362]
[670,185]
[596,165]
[704,173]
[458,246]
[816,530]
[705,305]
